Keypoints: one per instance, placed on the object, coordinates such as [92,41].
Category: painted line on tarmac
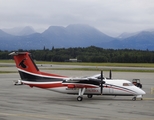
[148,98]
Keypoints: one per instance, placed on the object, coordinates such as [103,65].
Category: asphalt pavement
[25,103]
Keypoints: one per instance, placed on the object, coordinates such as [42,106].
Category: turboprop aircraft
[94,85]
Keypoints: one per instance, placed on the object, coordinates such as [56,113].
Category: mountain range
[74,35]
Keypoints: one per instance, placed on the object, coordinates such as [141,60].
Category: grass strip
[1,72]
[150,65]
[95,69]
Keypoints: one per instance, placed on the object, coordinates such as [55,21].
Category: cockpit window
[127,84]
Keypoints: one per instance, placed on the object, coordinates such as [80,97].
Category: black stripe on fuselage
[31,77]
[35,78]
[90,81]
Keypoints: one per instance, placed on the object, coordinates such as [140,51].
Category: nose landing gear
[137,97]
[134,98]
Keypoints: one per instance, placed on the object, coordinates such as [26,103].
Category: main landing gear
[81,92]
[79,98]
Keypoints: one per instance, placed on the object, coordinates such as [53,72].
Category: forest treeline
[89,54]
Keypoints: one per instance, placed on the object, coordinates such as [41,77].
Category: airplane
[93,85]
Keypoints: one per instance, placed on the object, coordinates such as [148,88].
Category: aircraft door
[108,89]
[111,90]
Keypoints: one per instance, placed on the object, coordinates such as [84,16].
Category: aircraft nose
[141,92]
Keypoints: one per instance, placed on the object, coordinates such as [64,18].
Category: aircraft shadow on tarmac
[85,99]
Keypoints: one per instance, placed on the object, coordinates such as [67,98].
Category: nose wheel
[137,97]
[134,99]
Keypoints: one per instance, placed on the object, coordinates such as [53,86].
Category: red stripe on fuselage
[52,75]
[49,85]
[121,89]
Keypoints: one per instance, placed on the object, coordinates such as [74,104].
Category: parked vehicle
[137,83]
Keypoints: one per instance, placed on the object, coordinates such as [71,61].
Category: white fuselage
[111,87]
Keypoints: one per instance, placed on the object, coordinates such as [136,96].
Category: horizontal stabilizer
[17,53]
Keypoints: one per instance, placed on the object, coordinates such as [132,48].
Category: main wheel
[134,98]
[89,96]
[79,98]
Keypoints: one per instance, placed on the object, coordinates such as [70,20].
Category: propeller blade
[101,82]
[110,76]
[101,75]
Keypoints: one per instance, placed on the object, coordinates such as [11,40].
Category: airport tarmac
[25,103]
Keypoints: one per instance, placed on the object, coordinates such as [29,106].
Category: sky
[111,17]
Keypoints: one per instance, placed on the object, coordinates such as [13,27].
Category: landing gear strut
[81,92]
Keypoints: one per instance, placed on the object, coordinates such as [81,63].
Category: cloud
[109,16]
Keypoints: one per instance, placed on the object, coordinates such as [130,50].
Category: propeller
[110,75]
[102,82]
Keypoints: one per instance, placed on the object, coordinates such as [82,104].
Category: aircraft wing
[97,76]
[81,83]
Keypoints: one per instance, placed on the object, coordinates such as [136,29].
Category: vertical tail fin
[28,70]
[24,62]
